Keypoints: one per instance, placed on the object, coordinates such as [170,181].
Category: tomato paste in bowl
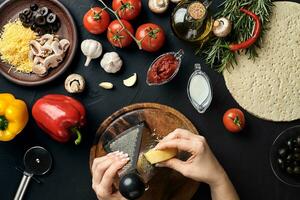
[164,68]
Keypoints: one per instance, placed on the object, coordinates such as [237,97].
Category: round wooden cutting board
[166,184]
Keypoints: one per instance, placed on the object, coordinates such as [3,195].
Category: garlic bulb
[91,49]
[111,62]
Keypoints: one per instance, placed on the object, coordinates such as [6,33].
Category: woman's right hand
[202,166]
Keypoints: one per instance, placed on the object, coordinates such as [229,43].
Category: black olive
[33,27]
[290,143]
[289,170]
[27,12]
[47,28]
[26,24]
[40,31]
[296,150]
[289,158]
[34,7]
[55,26]
[282,152]
[298,141]
[297,156]
[280,162]
[22,17]
[296,163]
[40,20]
[296,170]
[51,18]
[131,186]
[43,11]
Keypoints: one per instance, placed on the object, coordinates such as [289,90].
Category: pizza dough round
[269,87]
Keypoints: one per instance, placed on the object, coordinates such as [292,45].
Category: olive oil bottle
[191,21]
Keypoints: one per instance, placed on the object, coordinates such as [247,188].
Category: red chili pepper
[60,116]
[255,35]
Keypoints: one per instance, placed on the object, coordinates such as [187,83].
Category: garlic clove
[129,82]
[106,85]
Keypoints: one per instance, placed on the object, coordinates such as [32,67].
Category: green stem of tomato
[138,42]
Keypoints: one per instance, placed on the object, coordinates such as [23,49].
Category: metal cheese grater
[128,142]
[135,142]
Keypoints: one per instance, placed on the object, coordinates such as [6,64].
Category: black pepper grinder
[131,186]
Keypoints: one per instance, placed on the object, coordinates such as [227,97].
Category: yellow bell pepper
[13,116]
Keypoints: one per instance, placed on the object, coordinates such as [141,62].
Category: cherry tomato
[96,20]
[152,37]
[127,9]
[234,120]
[117,35]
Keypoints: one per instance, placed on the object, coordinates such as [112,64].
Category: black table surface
[245,156]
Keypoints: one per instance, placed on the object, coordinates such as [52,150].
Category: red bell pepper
[60,116]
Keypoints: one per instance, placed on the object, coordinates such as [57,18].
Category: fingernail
[120,153]
[125,159]
[159,165]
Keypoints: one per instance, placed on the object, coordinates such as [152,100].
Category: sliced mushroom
[46,50]
[53,61]
[65,44]
[57,48]
[46,38]
[158,6]
[39,67]
[74,83]
[35,47]
[31,56]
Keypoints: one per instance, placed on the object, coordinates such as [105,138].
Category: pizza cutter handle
[23,186]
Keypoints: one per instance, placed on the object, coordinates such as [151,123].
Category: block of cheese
[156,156]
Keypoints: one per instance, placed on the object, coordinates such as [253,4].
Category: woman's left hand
[104,171]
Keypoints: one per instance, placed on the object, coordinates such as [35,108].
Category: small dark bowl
[278,143]
[10,9]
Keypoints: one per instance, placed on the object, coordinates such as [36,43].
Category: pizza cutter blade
[37,161]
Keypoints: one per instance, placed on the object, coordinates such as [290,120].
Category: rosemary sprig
[221,58]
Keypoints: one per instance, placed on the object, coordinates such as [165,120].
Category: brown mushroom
[74,83]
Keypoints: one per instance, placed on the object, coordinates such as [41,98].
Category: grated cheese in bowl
[14,46]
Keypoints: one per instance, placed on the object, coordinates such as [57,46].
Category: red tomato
[117,35]
[152,37]
[127,9]
[96,20]
[234,120]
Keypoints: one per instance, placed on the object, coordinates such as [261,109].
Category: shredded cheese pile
[14,46]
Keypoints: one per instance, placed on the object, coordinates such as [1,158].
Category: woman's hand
[104,171]
[201,166]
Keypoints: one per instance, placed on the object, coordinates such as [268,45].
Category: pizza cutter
[37,161]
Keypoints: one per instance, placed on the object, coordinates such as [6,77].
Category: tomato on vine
[152,37]
[127,9]
[96,20]
[117,35]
